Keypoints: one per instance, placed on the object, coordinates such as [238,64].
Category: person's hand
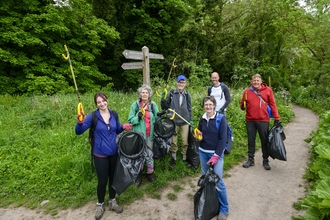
[140,115]
[191,123]
[213,160]
[81,118]
[159,114]
[127,126]
[277,123]
[198,135]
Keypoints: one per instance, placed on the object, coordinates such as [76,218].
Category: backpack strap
[209,90]
[138,107]
[115,114]
[91,137]
[92,128]
[218,121]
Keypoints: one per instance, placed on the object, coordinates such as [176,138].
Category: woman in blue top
[105,149]
[211,150]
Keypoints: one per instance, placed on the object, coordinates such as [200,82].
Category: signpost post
[144,56]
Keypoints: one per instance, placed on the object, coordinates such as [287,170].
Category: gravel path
[253,193]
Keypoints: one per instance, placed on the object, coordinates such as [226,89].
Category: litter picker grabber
[143,110]
[168,78]
[197,133]
[80,108]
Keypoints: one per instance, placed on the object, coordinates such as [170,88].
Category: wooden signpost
[144,56]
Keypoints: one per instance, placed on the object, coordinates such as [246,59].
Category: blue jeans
[221,187]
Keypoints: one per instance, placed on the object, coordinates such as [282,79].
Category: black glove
[140,115]
[161,113]
[277,123]
[242,106]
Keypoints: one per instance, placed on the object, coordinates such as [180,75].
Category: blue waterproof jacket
[104,136]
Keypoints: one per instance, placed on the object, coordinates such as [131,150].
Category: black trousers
[105,170]
[252,127]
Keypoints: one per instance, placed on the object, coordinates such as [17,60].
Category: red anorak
[256,109]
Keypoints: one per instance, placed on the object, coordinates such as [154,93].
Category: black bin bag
[164,128]
[192,151]
[275,145]
[132,152]
[206,203]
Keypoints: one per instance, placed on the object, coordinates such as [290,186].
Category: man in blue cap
[179,100]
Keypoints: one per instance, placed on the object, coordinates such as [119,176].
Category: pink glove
[213,160]
[127,126]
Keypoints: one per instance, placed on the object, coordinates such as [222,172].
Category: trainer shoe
[151,177]
[222,216]
[99,210]
[172,163]
[113,206]
[265,164]
[249,162]
[188,164]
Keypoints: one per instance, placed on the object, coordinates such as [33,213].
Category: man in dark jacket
[254,101]
[179,100]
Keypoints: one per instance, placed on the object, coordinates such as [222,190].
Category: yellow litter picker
[197,133]
[80,108]
[168,78]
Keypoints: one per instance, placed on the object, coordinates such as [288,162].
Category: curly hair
[144,87]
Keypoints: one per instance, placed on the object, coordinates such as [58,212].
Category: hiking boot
[222,216]
[151,177]
[265,164]
[249,162]
[99,210]
[113,206]
[172,163]
[138,180]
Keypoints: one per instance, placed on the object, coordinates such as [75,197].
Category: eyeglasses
[208,104]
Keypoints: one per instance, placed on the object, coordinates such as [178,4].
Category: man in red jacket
[255,100]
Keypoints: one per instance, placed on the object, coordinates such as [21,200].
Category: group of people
[212,140]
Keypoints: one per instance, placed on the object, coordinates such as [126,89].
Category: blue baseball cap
[181,77]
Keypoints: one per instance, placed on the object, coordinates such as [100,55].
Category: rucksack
[209,90]
[230,138]
[91,134]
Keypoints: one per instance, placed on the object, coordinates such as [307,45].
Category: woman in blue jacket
[105,151]
[211,149]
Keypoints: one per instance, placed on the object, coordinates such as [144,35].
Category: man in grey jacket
[179,100]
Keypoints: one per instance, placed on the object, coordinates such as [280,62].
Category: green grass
[41,157]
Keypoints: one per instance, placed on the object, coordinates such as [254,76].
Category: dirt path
[253,193]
